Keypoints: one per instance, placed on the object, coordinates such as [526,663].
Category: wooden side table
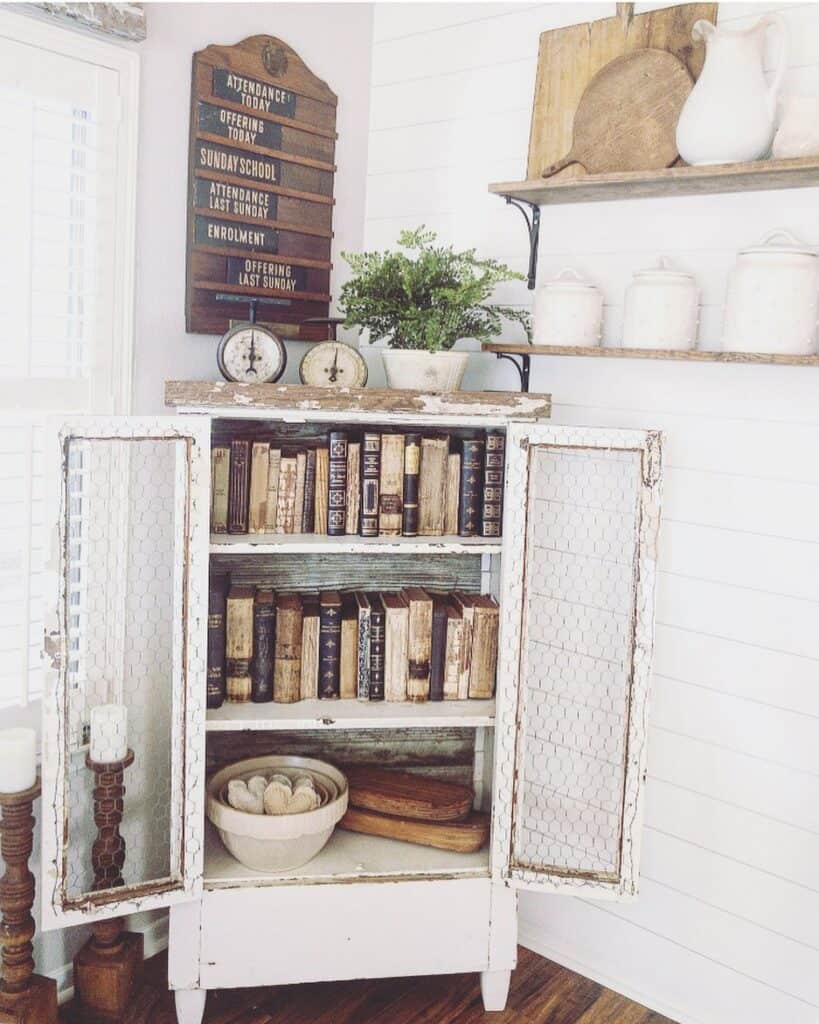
[25,997]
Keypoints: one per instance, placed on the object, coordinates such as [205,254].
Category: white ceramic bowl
[280,842]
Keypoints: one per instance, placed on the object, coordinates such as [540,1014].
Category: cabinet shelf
[352,714]
[311,544]
[691,356]
[348,856]
[799,172]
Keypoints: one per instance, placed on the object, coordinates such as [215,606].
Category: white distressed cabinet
[558,756]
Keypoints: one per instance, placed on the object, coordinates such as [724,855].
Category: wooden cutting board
[405,795]
[627,117]
[570,57]
[467,836]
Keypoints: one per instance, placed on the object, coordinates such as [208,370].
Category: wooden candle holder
[108,970]
[25,997]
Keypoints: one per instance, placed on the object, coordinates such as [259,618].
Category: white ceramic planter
[772,304]
[424,371]
[568,311]
[661,309]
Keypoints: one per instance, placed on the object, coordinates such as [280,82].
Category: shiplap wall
[726,929]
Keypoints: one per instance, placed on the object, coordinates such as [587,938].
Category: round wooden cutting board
[627,117]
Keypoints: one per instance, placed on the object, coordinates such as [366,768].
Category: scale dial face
[251,354]
[333,364]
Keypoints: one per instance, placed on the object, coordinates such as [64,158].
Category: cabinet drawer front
[334,932]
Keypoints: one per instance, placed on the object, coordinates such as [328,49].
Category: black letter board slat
[260,189]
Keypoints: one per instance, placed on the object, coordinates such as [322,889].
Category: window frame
[110,385]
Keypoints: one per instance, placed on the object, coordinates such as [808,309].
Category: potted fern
[421,299]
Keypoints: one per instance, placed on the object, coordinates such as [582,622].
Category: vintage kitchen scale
[250,352]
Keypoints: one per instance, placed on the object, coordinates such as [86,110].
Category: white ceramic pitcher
[730,114]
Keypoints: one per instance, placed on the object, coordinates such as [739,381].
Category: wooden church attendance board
[260,189]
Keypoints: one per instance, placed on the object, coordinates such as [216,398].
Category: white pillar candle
[109,733]
[18,760]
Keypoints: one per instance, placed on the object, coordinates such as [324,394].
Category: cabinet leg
[190,1005]
[495,989]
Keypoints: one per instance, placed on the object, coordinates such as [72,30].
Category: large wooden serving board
[260,188]
[570,57]
[467,836]
[405,795]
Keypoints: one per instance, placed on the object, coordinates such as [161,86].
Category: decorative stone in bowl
[281,841]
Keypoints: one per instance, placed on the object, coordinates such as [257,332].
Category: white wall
[726,929]
[334,40]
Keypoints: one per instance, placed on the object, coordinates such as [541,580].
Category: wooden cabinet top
[237,399]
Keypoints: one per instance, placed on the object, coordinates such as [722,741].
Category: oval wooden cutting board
[467,836]
[405,795]
[627,117]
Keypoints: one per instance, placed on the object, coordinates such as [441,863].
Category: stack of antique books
[372,484]
[407,645]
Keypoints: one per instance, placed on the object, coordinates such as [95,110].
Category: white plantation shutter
[67,153]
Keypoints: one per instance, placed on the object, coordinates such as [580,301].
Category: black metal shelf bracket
[522,367]
[531,214]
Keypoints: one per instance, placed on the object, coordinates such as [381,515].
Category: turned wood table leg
[108,982]
[25,997]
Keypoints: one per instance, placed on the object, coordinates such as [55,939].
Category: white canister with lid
[568,311]
[661,309]
[772,305]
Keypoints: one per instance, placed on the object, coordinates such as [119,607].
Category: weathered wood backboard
[570,57]
[260,188]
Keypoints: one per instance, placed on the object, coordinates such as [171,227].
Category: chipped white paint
[189,650]
[576,644]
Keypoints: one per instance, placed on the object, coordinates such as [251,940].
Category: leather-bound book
[419,644]
[298,505]
[286,512]
[453,493]
[484,647]
[391,485]
[273,467]
[308,515]
[353,502]
[287,672]
[337,490]
[493,473]
[437,656]
[453,657]
[348,670]
[239,486]
[264,647]
[376,647]
[322,489]
[329,644]
[363,608]
[309,647]
[412,466]
[432,486]
[238,643]
[219,485]
[370,478]
[217,597]
[259,475]
[465,605]
[469,505]
[396,638]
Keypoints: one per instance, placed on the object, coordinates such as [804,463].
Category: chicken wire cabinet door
[577,609]
[131,629]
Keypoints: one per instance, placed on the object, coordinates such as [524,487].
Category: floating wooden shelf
[353,714]
[801,172]
[312,544]
[692,356]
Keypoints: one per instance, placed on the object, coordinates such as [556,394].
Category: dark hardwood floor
[542,993]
